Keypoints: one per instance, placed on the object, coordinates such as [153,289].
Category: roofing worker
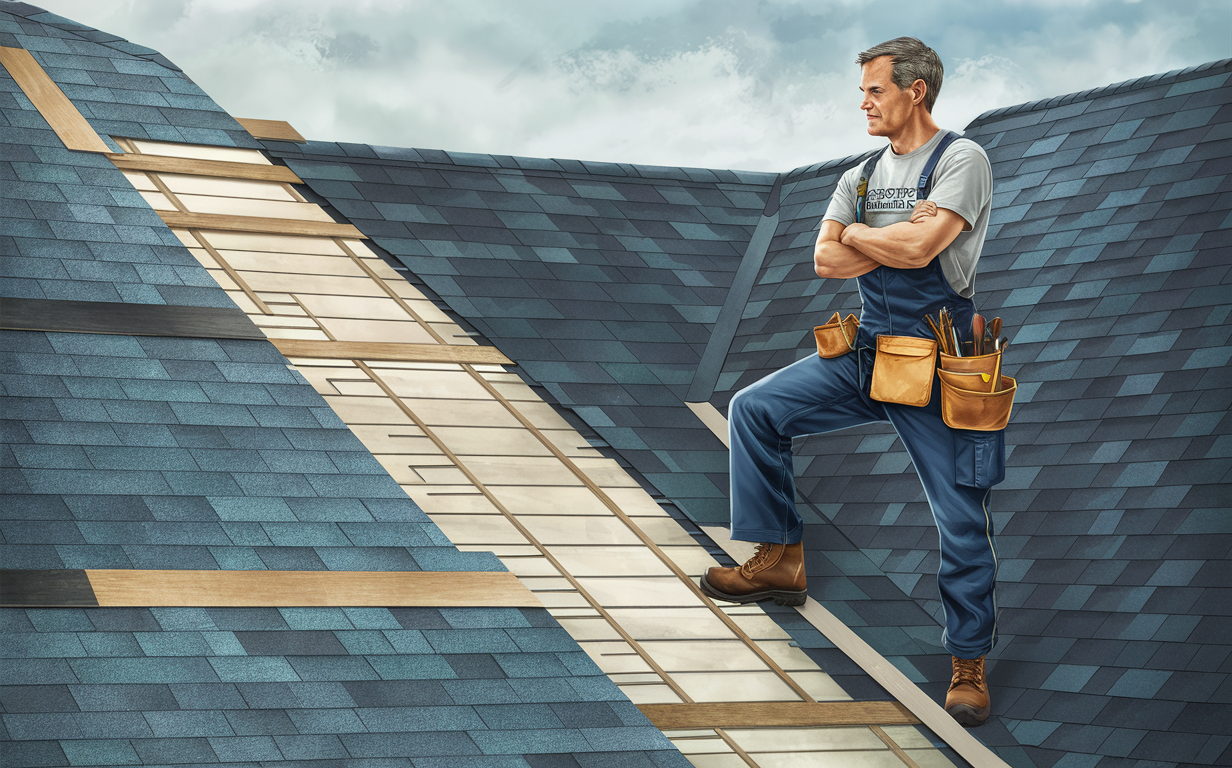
[913,257]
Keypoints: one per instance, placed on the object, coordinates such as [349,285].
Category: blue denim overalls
[815,395]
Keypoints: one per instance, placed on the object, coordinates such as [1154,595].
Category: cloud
[720,83]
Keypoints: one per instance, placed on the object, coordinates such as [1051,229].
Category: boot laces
[969,671]
[760,554]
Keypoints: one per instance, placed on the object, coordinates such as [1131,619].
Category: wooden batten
[381,350]
[261,224]
[216,168]
[776,714]
[277,130]
[290,589]
[50,101]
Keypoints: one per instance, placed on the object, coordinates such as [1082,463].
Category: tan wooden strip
[260,224]
[735,747]
[217,168]
[288,589]
[231,273]
[776,714]
[388,290]
[50,101]
[385,350]
[167,193]
[898,751]
[279,130]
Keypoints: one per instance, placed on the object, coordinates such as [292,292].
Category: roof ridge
[1093,93]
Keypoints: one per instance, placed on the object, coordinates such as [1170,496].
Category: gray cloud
[721,83]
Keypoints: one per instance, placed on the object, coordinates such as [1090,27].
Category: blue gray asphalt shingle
[117,458]
[1107,258]
[148,453]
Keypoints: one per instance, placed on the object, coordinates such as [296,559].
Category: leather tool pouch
[903,370]
[837,337]
[967,397]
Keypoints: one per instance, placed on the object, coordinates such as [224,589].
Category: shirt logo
[890,200]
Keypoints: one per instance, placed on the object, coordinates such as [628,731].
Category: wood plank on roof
[775,714]
[382,350]
[277,130]
[288,589]
[269,226]
[50,101]
[216,168]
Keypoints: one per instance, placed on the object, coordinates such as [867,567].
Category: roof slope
[1107,258]
[155,452]
[602,281]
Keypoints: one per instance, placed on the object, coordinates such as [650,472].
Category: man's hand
[850,232]
[923,210]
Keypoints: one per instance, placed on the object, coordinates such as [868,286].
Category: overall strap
[866,173]
[926,176]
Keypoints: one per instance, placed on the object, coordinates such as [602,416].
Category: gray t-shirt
[962,183]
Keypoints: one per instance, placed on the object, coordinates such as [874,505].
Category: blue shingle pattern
[74,227]
[153,691]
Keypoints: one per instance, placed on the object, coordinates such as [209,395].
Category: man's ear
[919,89]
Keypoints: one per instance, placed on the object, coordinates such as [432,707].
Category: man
[912,257]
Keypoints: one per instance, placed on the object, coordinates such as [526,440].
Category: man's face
[886,106]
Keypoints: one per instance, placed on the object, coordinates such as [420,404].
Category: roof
[624,293]
[1106,258]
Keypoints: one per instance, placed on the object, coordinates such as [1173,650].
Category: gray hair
[912,60]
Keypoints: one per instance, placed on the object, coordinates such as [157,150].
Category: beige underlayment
[498,469]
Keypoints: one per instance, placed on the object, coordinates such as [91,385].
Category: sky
[765,86]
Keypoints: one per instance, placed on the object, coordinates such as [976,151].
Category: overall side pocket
[979,458]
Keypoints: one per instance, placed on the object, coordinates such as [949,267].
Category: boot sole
[968,716]
[779,596]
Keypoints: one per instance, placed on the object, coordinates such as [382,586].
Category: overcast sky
[766,86]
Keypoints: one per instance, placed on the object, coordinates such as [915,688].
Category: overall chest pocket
[903,370]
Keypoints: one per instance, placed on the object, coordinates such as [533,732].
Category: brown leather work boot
[967,700]
[774,572]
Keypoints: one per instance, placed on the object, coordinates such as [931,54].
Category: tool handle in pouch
[837,337]
[903,370]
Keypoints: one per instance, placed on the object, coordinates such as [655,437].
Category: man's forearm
[833,259]
[905,245]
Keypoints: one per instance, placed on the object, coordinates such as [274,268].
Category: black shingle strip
[126,319]
[38,588]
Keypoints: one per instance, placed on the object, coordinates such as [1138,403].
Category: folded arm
[908,244]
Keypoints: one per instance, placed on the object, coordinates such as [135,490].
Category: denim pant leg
[808,397]
[968,569]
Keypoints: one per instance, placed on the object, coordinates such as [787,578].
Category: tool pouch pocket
[837,337]
[979,458]
[903,370]
[968,399]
